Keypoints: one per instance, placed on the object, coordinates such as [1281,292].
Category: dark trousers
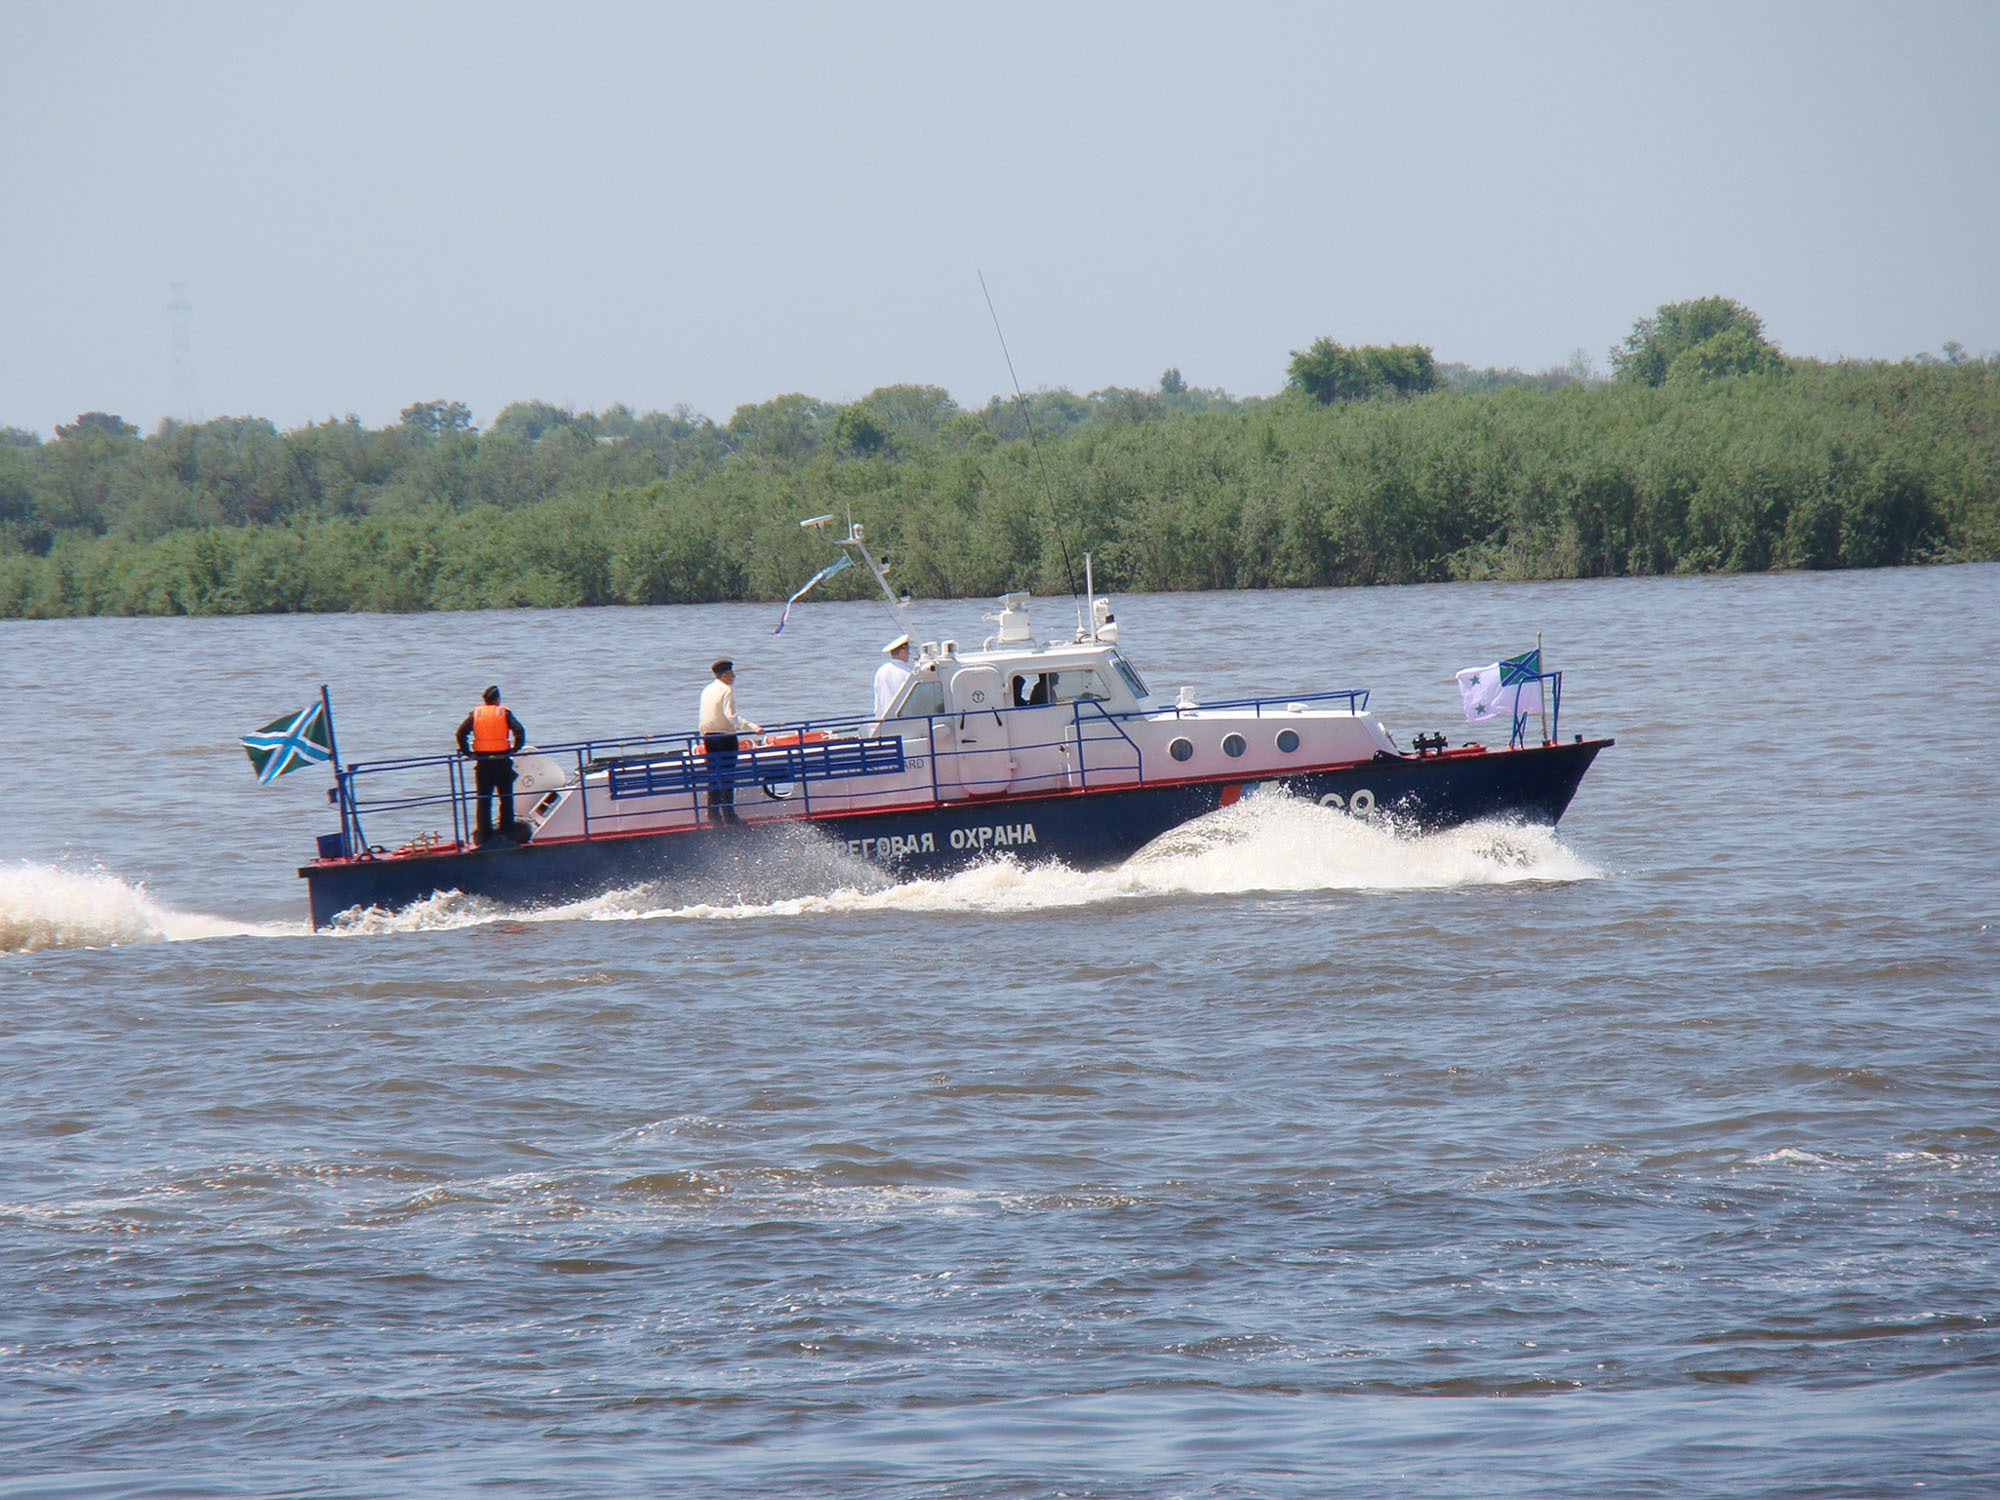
[491,774]
[719,753]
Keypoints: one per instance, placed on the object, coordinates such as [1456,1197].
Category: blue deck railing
[764,765]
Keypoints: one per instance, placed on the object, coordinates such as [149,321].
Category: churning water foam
[43,906]
[1264,843]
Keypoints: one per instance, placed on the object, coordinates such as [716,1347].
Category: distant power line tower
[186,407]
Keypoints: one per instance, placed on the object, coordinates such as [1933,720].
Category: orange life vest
[490,734]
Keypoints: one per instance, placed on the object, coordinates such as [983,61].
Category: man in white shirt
[892,674]
[720,723]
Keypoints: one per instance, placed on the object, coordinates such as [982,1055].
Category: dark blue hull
[1085,830]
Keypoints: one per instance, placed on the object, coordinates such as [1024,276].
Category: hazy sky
[374,204]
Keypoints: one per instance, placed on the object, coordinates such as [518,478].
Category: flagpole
[1541,666]
[333,754]
[332,741]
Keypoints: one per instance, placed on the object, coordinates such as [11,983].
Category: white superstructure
[1010,719]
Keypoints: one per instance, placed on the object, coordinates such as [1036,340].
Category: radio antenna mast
[186,408]
[855,544]
[1035,444]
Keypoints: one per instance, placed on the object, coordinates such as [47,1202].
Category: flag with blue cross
[300,739]
[1512,687]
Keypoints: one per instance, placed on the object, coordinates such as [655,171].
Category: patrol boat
[1035,750]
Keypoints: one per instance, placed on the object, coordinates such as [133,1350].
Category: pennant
[843,561]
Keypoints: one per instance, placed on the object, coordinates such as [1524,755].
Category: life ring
[780,791]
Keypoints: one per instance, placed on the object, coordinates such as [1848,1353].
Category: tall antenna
[857,539]
[1035,445]
[186,407]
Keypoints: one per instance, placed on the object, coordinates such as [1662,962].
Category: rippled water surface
[1656,1156]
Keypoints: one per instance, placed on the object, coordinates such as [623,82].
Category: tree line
[1708,449]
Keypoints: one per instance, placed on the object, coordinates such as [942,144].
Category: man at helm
[892,674]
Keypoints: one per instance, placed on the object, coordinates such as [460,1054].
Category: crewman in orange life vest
[491,734]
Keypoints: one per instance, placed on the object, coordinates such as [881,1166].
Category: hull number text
[1360,804]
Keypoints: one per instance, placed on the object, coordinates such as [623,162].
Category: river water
[1657,1156]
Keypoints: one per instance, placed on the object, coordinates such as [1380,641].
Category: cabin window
[1032,689]
[921,697]
[1288,740]
[1079,683]
[1233,745]
[1181,749]
[1131,676]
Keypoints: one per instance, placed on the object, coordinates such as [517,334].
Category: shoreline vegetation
[1706,450]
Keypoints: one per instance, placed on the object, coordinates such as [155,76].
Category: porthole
[1233,745]
[1181,749]
[1288,740]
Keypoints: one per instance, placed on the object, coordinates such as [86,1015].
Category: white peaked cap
[901,640]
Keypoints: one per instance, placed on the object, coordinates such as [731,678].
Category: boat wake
[1267,843]
[45,907]
[1261,845]
[1270,843]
